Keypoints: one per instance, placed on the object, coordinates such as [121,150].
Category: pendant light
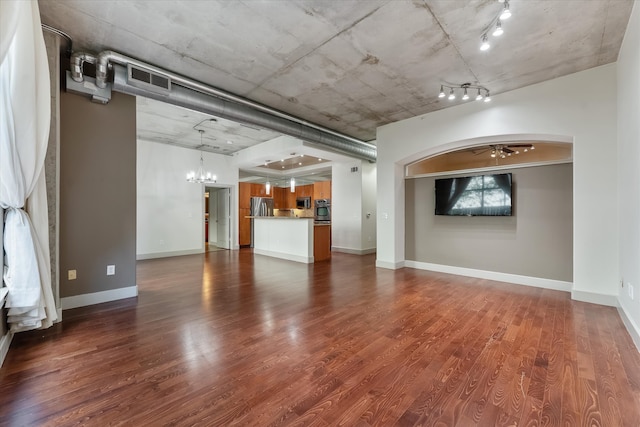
[268,187]
[293,185]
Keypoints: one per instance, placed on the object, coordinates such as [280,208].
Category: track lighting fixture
[504,151]
[496,25]
[483,92]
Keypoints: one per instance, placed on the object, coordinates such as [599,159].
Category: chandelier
[200,176]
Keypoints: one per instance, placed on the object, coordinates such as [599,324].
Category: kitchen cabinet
[290,198]
[322,190]
[304,191]
[244,195]
[258,190]
[321,242]
[244,227]
[279,197]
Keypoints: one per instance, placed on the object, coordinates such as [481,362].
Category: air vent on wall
[149,80]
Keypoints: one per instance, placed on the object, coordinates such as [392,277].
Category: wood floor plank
[232,338]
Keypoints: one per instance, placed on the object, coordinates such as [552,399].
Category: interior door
[224,221]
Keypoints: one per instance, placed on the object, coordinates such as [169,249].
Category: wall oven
[322,210]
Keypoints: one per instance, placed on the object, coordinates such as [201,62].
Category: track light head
[441,95]
[485,43]
[498,31]
[487,97]
[479,96]
[452,95]
[506,12]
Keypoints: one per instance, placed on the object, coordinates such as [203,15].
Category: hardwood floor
[225,338]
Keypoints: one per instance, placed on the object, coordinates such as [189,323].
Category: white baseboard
[140,257]
[353,251]
[538,282]
[593,298]
[98,297]
[5,343]
[390,265]
[632,327]
[289,257]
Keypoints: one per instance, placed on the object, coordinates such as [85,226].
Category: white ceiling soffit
[351,65]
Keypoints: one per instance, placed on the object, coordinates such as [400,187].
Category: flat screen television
[481,195]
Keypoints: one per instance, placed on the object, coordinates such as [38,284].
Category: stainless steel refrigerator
[260,206]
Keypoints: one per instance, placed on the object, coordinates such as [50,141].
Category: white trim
[537,282]
[59,310]
[140,257]
[282,255]
[353,251]
[632,327]
[99,297]
[5,343]
[389,265]
[593,298]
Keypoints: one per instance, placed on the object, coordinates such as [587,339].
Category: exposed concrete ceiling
[169,124]
[353,59]
[350,65]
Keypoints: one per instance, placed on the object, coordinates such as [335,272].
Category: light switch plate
[111,270]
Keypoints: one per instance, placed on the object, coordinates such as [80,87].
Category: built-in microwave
[303,203]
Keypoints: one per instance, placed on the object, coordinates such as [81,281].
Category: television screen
[482,195]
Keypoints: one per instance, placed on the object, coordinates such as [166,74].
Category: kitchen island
[286,237]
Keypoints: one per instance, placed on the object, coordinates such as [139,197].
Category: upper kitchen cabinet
[259,190]
[304,191]
[322,190]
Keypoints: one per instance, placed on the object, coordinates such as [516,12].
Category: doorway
[217,219]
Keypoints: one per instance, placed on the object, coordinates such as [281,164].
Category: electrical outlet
[71,275]
[111,270]
[630,287]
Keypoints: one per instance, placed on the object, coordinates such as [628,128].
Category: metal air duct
[138,78]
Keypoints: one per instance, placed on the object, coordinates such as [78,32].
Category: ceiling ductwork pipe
[178,90]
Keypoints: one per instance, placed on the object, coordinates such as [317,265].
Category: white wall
[353,195]
[580,107]
[170,210]
[346,206]
[368,206]
[629,171]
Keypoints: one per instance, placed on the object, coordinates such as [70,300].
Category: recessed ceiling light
[283,167]
[282,160]
[319,160]
[229,142]
[300,164]
[301,155]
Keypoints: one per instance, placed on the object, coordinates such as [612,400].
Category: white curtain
[25,113]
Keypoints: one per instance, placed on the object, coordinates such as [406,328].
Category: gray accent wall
[537,241]
[97,193]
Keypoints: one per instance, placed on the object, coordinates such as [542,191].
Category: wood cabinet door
[244,196]
[291,198]
[244,227]
[322,190]
[278,202]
